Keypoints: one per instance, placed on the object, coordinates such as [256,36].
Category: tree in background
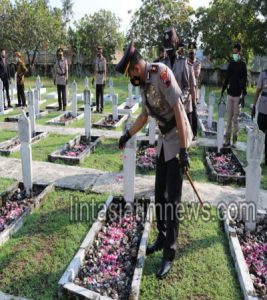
[31,25]
[101,28]
[225,22]
[67,12]
[154,16]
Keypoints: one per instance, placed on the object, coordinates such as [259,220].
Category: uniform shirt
[181,74]
[192,83]
[162,93]
[197,68]
[262,84]
[100,70]
[61,71]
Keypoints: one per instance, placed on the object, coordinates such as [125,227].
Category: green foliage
[30,25]
[153,17]
[101,28]
[226,22]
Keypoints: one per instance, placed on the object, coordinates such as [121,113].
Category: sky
[119,7]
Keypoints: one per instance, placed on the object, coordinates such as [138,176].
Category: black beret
[60,50]
[99,47]
[192,46]
[129,57]
[170,38]
[237,46]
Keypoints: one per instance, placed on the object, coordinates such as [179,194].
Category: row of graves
[110,260]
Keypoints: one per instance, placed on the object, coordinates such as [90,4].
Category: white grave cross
[31,111]
[202,98]
[255,146]
[130,95]
[87,114]
[36,102]
[220,125]
[24,127]
[115,107]
[211,109]
[74,98]
[86,83]
[110,87]
[2,104]
[38,85]
[152,132]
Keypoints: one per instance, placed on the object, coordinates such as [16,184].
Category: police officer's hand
[253,112]
[93,81]
[124,139]
[184,159]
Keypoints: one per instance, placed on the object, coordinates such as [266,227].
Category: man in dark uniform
[162,55]
[161,99]
[196,68]
[5,76]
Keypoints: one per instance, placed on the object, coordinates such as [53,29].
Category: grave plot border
[66,284]
[99,124]
[123,110]
[15,118]
[54,106]
[224,179]
[204,132]
[241,268]
[39,136]
[16,224]
[93,107]
[55,121]
[55,156]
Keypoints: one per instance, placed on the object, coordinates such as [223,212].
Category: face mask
[235,57]
[192,56]
[135,81]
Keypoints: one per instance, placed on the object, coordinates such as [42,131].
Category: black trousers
[61,93]
[262,123]
[168,193]
[21,95]
[194,122]
[100,96]
[6,89]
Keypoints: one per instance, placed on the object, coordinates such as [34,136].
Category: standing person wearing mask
[261,96]
[61,78]
[176,63]
[197,69]
[235,82]
[21,70]
[5,76]
[100,75]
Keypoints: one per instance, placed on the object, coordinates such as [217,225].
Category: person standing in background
[21,70]
[100,75]
[61,78]
[162,55]
[5,76]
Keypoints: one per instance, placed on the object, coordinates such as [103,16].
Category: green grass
[5,183]
[33,261]
[6,135]
[203,268]
[46,146]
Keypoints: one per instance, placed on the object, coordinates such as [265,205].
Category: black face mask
[135,81]
[192,56]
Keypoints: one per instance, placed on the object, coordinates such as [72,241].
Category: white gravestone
[152,132]
[202,98]
[31,110]
[110,88]
[86,83]
[74,98]
[36,102]
[67,93]
[255,147]
[115,107]
[12,88]
[129,168]
[38,85]
[130,95]
[137,93]
[2,104]
[87,114]
[220,125]
[24,127]
[211,109]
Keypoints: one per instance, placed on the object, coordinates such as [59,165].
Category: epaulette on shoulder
[154,68]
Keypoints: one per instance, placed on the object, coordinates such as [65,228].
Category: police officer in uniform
[100,78]
[261,94]
[197,69]
[61,78]
[176,62]
[161,99]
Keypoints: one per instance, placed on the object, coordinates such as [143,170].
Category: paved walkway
[86,179]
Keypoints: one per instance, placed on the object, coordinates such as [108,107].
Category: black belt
[264,94]
[168,126]
[100,72]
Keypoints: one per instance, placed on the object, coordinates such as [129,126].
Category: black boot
[157,246]
[164,269]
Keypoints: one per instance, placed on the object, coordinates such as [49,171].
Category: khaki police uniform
[197,68]
[262,107]
[162,92]
[61,77]
[100,77]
